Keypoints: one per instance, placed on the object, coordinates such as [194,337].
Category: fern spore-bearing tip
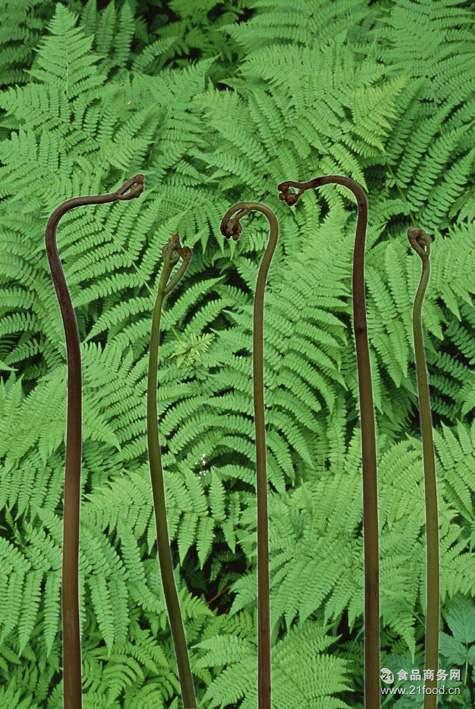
[172,253]
[131,188]
[289,193]
[174,249]
[420,241]
[230,226]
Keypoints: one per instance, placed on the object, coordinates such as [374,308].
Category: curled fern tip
[231,229]
[420,241]
[175,251]
[288,194]
[131,188]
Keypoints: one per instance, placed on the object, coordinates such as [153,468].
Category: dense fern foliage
[216,102]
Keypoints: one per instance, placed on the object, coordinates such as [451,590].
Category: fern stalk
[231,228]
[72,479]
[172,253]
[290,192]
[420,242]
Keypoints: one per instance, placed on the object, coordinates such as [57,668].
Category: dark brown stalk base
[172,254]
[420,242]
[231,229]
[290,192]
[72,478]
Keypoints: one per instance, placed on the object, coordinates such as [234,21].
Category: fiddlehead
[420,242]
[173,252]
[290,192]
[72,484]
[231,229]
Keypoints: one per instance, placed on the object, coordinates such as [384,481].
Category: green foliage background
[217,102]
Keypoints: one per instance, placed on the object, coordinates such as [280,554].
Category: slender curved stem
[72,483]
[290,192]
[420,242]
[172,253]
[230,228]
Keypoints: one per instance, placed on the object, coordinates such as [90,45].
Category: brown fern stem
[290,192]
[72,479]
[420,242]
[172,254]
[231,228]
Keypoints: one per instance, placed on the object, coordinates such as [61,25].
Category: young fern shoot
[290,192]
[420,242]
[231,229]
[173,252]
[72,480]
